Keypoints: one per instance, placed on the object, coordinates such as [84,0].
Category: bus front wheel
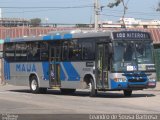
[127,93]
[93,91]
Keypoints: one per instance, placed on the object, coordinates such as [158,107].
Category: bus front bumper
[132,85]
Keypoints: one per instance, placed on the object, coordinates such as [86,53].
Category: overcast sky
[142,9]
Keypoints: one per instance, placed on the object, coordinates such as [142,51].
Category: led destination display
[131,35]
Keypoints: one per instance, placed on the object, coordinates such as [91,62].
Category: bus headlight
[152,80]
[120,80]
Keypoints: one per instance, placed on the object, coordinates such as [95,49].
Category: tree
[158,7]
[35,22]
[116,3]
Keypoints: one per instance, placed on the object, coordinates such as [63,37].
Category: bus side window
[65,51]
[9,51]
[33,51]
[21,51]
[44,51]
[71,54]
[75,51]
[88,50]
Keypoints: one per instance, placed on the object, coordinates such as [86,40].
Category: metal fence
[157,62]
[14,32]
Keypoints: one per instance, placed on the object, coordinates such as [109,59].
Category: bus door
[102,65]
[55,53]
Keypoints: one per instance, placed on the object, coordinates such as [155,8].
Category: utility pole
[96,14]
[0,13]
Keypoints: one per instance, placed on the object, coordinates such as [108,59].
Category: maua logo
[25,68]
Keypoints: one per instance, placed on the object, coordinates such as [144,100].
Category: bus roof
[62,35]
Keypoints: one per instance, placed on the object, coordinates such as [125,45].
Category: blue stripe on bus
[7,39]
[118,85]
[62,75]
[71,72]
[57,37]
[9,74]
[67,36]
[48,37]
[6,70]
[45,66]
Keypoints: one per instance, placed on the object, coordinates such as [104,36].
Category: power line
[84,6]
[32,11]
[135,12]
[43,9]
[49,8]
[121,16]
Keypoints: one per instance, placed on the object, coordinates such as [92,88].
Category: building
[132,23]
[14,22]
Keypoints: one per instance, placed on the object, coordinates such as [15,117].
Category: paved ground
[158,86]
[19,100]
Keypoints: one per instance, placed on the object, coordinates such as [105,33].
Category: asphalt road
[19,100]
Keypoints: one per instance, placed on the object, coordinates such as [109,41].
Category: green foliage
[158,7]
[116,3]
[35,22]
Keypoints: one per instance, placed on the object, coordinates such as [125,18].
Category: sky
[77,11]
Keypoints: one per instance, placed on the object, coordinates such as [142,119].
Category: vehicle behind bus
[97,61]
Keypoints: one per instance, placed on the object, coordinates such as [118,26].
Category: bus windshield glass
[132,56]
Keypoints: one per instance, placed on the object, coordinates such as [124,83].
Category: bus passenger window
[21,51]
[9,51]
[88,50]
[75,51]
[65,51]
[33,51]
[44,51]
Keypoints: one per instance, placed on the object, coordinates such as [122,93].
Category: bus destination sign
[131,35]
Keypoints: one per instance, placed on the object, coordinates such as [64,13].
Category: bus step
[55,87]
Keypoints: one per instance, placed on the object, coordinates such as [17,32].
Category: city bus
[92,60]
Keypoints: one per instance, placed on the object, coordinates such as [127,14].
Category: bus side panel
[44,75]
[74,73]
[7,75]
[18,73]
[13,75]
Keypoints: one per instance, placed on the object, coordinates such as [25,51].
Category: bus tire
[127,93]
[93,91]
[34,86]
[67,91]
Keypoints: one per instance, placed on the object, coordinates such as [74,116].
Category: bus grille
[136,80]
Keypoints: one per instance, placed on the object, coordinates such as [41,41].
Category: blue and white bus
[70,60]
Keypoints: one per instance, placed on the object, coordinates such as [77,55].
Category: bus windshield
[132,56]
